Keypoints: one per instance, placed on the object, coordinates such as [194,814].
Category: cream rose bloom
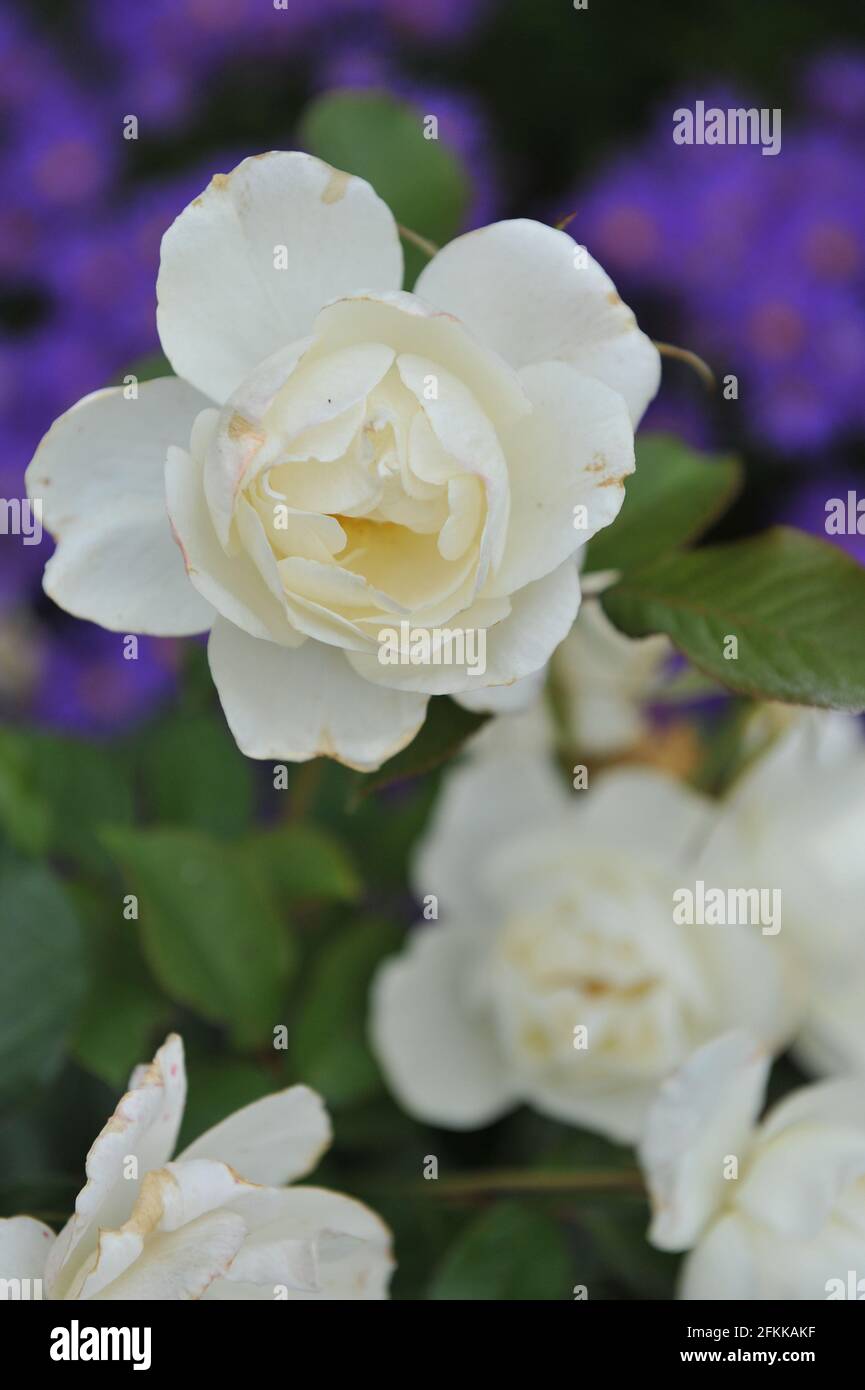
[336,457]
[557,915]
[791,1224]
[795,821]
[214,1223]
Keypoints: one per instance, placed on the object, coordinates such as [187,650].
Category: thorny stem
[423,243]
[703,370]
[547,1182]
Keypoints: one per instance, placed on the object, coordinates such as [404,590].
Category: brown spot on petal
[335,186]
[220,180]
[613,297]
[612,482]
[597,465]
[238,426]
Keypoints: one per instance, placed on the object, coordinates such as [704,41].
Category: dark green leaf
[510,1252]
[56,794]
[673,496]
[209,929]
[124,1017]
[219,1087]
[42,980]
[195,775]
[795,604]
[329,1046]
[304,863]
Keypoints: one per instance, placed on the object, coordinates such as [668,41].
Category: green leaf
[209,929]
[124,1017]
[329,1047]
[673,496]
[510,1252]
[218,1087]
[147,368]
[304,863]
[444,731]
[42,981]
[382,140]
[795,604]
[194,774]
[56,794]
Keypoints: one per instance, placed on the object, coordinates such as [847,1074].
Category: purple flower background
[757,263]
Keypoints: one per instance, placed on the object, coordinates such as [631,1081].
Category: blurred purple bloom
[84,684]
[835,85]
[759,261]
[807,508]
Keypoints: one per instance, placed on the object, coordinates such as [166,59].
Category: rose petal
[223,303]
[99,472]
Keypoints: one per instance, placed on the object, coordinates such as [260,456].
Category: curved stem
[703,370]
[423,243]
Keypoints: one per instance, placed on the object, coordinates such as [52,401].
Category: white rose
[558,914]
[769,1211]
[795,821]
[212,1223]
[340,457]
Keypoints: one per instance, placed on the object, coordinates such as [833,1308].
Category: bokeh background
[756,263]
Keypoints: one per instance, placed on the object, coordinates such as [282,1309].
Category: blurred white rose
[774,1210]
[557,915]
[795,820]
[336,458]
[211,1224]
[591,696]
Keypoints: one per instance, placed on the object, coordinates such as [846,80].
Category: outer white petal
[24,1247]
[224,305]
[483,803]
[811,1148]
[439,1055]
[517,286]
[99,473]
[574,450]
[306,703]
[704,1112]
[723,1265]
[144,1125]
[273,1140]
[352,1245]
[645,812]
[176,1266]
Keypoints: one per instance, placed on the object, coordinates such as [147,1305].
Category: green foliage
[194,775]
[329,1045]
[512,1251]
[209,928]
[795,605]
[56,794]
[304,863]
[673,496]
[42,978]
